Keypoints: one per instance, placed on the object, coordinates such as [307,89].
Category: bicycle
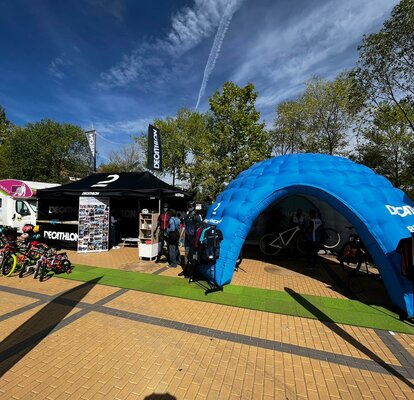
[53,261]
[354,254]
[14,255]
[271,244]
[9,260]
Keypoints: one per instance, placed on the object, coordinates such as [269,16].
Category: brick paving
[111,343]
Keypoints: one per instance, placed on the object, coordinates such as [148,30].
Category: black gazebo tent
[141,185]
[128,193]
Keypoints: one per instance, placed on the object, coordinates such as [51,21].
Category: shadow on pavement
[160,396]
[27,336]
[324,319]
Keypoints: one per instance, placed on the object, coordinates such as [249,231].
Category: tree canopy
[386,63]
[126,159]
[45,151]
[320,119]
[207,151]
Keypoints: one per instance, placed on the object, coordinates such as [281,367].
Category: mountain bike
[353,255]
[271,244]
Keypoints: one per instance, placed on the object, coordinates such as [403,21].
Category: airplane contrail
[215,49]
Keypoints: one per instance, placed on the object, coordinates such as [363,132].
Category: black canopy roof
[125,184]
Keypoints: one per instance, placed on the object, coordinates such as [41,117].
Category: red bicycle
[52,261]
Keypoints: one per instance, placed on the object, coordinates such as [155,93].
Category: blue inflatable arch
[381,214]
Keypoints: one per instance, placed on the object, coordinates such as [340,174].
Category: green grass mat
[339,311]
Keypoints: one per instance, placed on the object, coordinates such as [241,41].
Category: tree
[388,146]
[4,125]
[127,159]
[184,138]
[386,63]
[237,139]
[45,151]
[288,135]
[320,119]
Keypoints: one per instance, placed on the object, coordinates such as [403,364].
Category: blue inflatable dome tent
[381,214]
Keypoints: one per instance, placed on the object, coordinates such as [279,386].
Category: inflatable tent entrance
[381,214]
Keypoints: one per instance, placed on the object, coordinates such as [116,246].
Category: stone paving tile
[49,287]
[308,333]
[11,302]
[99,356]
[193,350]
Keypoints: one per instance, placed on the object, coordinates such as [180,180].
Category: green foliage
[45,151]
[289,133]
[183,138]
[319,120]
[238,139]
[4,125]
[386,62]
[207,151]
[388,147]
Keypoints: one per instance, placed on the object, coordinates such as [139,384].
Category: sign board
[93,234]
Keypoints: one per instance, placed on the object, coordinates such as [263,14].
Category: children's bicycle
[52,261]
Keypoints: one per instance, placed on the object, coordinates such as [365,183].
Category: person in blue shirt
[173,235]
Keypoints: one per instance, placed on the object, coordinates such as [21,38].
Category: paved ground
[65,339]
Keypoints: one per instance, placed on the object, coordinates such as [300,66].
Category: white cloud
[282,56]
[188,28]
[56,68]
[128,127]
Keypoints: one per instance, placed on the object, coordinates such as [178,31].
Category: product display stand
[147,241]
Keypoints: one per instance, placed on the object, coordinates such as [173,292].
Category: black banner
[63,236]
[154,149]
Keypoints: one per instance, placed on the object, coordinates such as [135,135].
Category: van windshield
[33,205]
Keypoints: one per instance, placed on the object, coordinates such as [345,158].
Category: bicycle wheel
[8,265]
[350,259]
[27,268]
[270,244]
[331,238]
[43,272]
[37,269]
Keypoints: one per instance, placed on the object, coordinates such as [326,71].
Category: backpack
[210,240]
[191,222]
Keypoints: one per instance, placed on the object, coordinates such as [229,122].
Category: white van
[18,204]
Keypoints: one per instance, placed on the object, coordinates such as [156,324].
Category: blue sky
[118,64]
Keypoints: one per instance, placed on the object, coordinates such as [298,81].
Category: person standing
[162,225]
[313,239]
[298,219]
[173,235]
[192,221]
[114,220]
